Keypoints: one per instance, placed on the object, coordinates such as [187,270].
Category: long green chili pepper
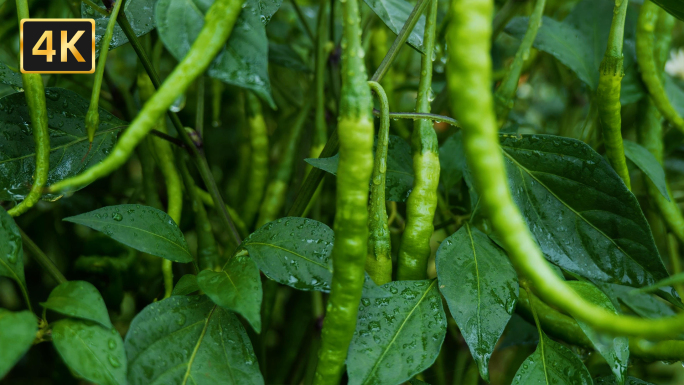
[218,23]
[207,251]
[422,201]
[92,120]
[35,99]
[469,80]
[355,130]
[505,94]
[258,137]
[608,93]
[646,58]
[167,165]
[379,260]
[274,199]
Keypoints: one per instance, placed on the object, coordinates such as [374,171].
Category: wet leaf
[294,251]
[611,380]
[552,364]
[187,284]
[645,305]
[394,14]
[244,60]
[140,14]
[481,289]
[518,332]
[92,352]
[648,164]
[9,77]
[78,299]
[399,333]
[669,281]
[17,332]
[236,288]
[399,181]
[11,250]
[189,339]
[141,227]
[580,212]
[69,145]
[615,350]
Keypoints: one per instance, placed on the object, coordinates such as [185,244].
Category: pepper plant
[344,192]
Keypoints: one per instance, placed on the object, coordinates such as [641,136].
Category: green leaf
[580,212]
[518,332]
[611,380]
[189,340]
[481,289]
[673,7]
[648,164]
[187,284]
[284,56]
[11,250]
[394,14]
[552,363]
[9,77]
[400,175]
[645,305]
[91,352]
[69,145]
[399,333]
[141,227]
[244,60]
[79,299]
[452,161]
[236,288]
[294,251]
[615,350]
[140,14]
[669,281]
[17,332]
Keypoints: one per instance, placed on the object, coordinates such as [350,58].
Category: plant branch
[43,260]
[169,138]
[420,115]
[195,153]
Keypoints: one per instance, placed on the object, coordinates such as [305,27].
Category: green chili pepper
[379,260]
[35,99]
[469,81]
[167,165]
[258,136]
[355,131]
[274,199]
[92,120]
[422,201]
[646,58]
[207,251]
[608,93]
[505,94]
[218,23]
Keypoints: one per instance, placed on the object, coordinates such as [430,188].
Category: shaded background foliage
[271,53]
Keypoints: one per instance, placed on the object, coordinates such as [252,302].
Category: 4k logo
[58,46]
